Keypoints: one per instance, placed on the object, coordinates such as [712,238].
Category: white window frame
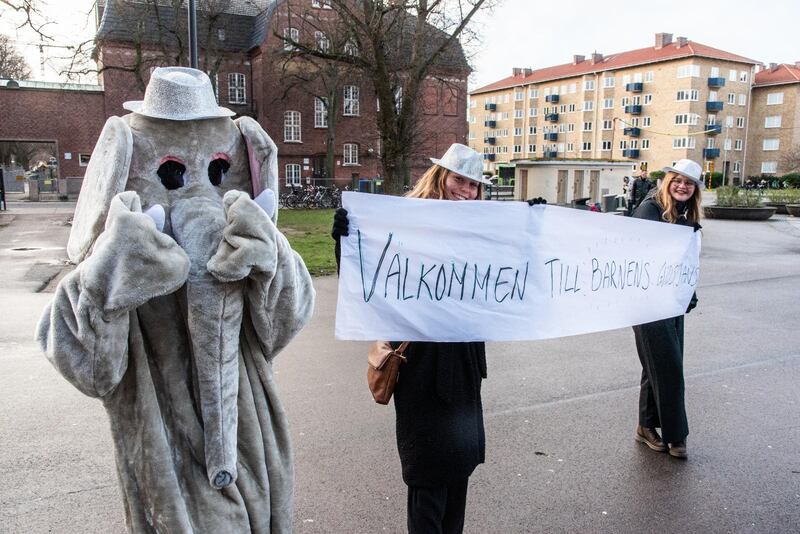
[533,92]
[646,121]
[290,33]
[645,144]
[769,167]
[351,106]
[769,145]
[519,113]
[609,82]
[742,99]
[292,173]
[608,103]
[737,145]
[587,126]
[688,71]
[731,98]
[647,100]
[774,99]
[322,41]
[648,76]
[588,85]
[737,166]
[740,122]
[237,92]
[519,95]
[732,75]
[588,105]
[605,145]
[321,113]
[292,130]
[350,155]
[773,121]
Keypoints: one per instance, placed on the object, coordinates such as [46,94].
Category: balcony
[490,140]
[490,107]
[490,124]
[634,109]
[632,131]
[551,98]
[714,106]
[550,154]
[635,87]
[716,83]
[552,117]
[710,153]
[488,157]
[552,136]
[632,153]
[713,129]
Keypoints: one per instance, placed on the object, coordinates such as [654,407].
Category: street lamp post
[193,33]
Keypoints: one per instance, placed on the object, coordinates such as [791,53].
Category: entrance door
[523,184]
[561,192]
[318,166]
[594,185]
[577,186]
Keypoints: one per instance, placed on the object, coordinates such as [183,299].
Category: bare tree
[790,159]
[30,14]
[12,64]
[19,153]
[397,45]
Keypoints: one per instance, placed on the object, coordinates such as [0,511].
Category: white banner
[438,270]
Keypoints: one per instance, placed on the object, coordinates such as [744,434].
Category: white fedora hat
[463,161]
[178,94]
[689,169]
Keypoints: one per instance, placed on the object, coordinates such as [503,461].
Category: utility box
[365,186]
[609,203]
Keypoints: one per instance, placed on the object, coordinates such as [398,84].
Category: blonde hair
[431,184]
[668,204]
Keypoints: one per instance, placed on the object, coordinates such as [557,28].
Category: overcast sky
[535,33]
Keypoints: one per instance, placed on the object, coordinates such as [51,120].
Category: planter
[742,214]
[793,209]
[780,207]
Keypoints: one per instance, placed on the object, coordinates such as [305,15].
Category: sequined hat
[463,161]
[689,169]
[178,94]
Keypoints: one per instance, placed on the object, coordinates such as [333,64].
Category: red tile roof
[615,61]
[783,73]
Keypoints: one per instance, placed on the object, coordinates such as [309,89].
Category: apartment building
[774,119]
[651,107]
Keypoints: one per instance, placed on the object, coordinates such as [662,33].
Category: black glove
[340,224]
[692,303]
[537,200]
[697,226]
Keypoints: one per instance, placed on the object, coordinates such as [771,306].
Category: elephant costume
[183,293]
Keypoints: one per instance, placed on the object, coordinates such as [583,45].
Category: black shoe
[678,450]
[650,437]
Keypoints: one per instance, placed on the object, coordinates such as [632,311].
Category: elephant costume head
[181,154]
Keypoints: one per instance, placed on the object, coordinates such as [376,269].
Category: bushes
[657,175]
[733,197]
[783,196]
[791,179]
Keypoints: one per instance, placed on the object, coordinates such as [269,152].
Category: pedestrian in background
[660,343]
[439,414]
[639,189]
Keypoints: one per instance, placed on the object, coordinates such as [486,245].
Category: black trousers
[661,397]
[437,510]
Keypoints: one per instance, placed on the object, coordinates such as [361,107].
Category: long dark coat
[660,348]
[440,434]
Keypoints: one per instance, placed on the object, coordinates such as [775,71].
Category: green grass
[309,233]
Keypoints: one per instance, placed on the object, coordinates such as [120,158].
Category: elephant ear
[262,155]
[105,177]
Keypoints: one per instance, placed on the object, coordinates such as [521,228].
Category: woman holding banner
[439,415]
[660,343]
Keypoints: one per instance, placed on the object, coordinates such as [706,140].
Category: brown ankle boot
[678,450]
[649,437]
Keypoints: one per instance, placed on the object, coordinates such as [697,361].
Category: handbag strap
[399,350]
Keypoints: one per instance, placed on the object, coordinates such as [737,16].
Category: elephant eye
[171,174]
[217,169]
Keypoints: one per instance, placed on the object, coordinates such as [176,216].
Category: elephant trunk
[214,317]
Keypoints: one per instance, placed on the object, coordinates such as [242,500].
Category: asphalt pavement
[560,414]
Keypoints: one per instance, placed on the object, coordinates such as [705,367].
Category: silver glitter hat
[178,94]
[463,161]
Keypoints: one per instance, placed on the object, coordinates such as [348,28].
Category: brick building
[242,47]
[774,119]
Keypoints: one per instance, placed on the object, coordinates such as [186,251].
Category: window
[588,85]
[517,149]
[398,101]
[506,98]
[645,144]
[771,144]
[634,121]
[221,34]
[292,174]
[588,105]
[83,159]
[737,145]
[573,88]
[634,143]
[351,105]
[729,122]
[711,143]
[727,144]
[623,144]
[321,113]
[321,3]
[587,146]
[570,127]
[737,166]
[531,112]
[563,108]
[517,132]
[637,78]
[571,108]
[323,44]
[743,76]
[714,72]
[608,103]
[290,34]
[350,154]
[351,48]
[740,122]
[648,76]
[774,99]
[533,92]
[605,145]
[687,94]
[683,142]
[609,81]
[503,115]
[623,102]
[626,79]
[587,126]
[531,148]
[712,96]
[236,89]
[687,118]
[731,98]
[519,94]
[608,124]
[291,127]
[648,99]
[742,99]
[732,75]
[645,122]
[769,167]
[518,113]
[472,103]
[772,122]
[689,71]
[546,91]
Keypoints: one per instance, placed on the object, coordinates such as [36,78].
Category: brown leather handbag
[383,369]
